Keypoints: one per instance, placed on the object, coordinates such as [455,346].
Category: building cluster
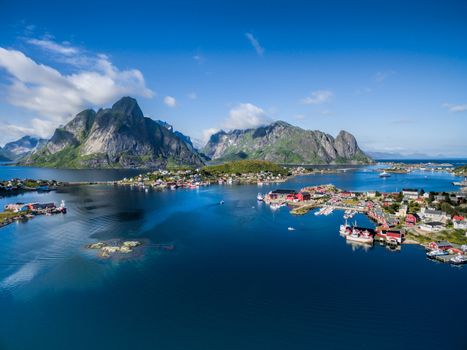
[23,211]
[410,210]
[161,179]
[14,186]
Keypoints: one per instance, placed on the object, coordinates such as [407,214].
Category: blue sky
[394,74]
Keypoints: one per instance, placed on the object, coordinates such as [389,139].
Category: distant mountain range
[281,142]
[14,151]
[395,156]
[122,137]
[117,137]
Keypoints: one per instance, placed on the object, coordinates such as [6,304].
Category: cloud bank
[53,97]
[242,116]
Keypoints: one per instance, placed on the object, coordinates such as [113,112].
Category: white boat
[384,174]
[344,229]
[359,238]
[436,252]
[290,228]
[260,197]
[275,206]
[360,235]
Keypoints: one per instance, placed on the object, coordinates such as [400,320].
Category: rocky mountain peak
[115,137]
[127,106]
[282,142]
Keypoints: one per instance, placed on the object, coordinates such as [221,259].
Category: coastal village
[14,212]
[436,220]
[17,186]
[253,172]
[433,219]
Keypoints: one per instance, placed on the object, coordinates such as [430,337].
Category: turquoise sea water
[237,278]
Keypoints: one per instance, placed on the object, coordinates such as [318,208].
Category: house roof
[279,191]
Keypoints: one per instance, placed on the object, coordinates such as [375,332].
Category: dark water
[238,279]
[10,172]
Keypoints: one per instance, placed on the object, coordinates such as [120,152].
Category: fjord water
[237,279]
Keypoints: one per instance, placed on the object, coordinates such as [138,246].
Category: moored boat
[436,252]
[360,235]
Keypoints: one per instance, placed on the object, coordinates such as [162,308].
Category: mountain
[117,137]
[3,156]
[20,148]
[399,156]
[284,143]
[181,136]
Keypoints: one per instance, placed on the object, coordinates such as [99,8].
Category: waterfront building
[433,226]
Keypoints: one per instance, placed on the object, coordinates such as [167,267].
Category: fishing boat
[345,229]
[360,235]
[384,174]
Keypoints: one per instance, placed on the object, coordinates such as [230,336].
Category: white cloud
[170,101]
[383,75]
[318,97]
[246,116]
[242,116]
[455,108]
[55,96]
[207,133]
[53,46]
[255,43]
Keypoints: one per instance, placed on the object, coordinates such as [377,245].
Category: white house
[432,226]
[410,193]
[433,215]
[460,224]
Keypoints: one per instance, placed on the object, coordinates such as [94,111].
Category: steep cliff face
[114,137]
[284,143]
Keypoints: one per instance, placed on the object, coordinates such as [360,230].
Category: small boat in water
[290,228]
[260,197]
[275,206]
[384,174]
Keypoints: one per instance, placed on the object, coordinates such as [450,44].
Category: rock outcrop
[117,137]
[281,142]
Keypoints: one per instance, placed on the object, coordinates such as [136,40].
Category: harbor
[405,217]
[19,212]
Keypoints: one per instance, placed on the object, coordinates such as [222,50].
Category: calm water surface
[237,279]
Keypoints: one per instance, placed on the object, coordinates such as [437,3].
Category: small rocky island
[107,249]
